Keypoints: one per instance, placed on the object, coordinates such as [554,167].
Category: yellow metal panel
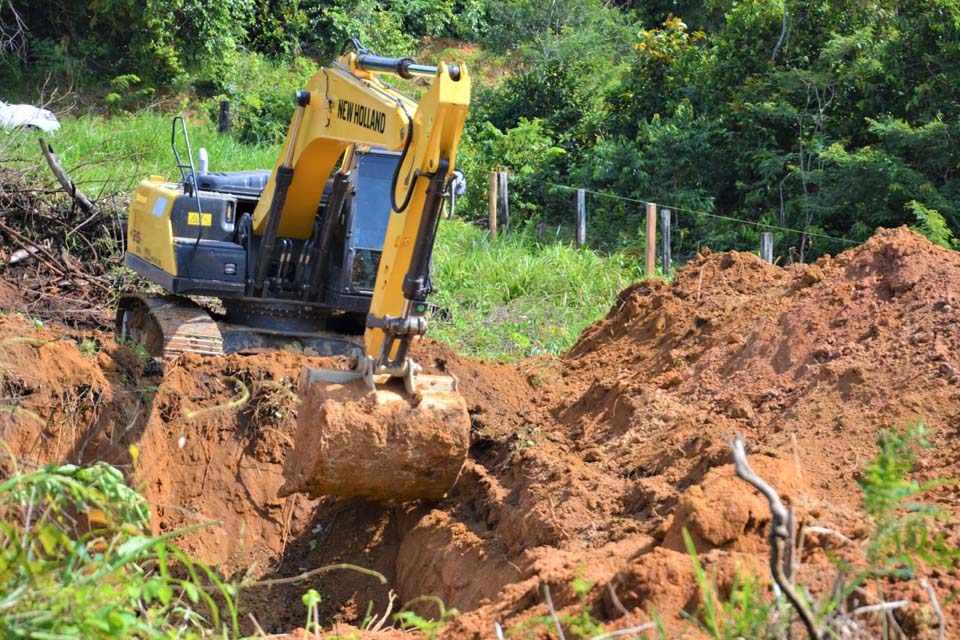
[343,110]
[438,126]
[196,219]
[149,232]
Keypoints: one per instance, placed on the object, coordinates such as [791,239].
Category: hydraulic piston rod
[403,67]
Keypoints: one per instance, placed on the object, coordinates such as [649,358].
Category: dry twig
[781,536]
[553,612]
[272,582]
[935,603]
[13,31]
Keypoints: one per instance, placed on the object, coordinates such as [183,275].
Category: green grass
[512,298]
[110,155]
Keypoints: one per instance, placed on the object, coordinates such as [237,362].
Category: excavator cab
[360,225]
[316,295]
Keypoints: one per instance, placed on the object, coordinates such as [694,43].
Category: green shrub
[904,529]
[933,225]
[261,93]
[529,155]
[77,560]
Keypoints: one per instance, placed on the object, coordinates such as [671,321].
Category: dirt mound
[810,361]
[585,467]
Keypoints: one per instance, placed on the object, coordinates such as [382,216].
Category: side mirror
[458,183]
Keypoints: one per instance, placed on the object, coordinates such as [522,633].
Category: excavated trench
[589,465]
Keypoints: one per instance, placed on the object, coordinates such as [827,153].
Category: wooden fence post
[651,266]
[581,218]
[492,204]
[224,125]
[503,202]
[665,257]
[766,246]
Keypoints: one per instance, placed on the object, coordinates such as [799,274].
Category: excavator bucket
[379,443]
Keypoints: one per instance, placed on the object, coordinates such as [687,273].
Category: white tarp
[25,115]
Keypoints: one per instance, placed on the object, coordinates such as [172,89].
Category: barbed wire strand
[708,214]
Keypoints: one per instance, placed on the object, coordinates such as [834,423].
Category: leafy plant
[904,529]
[311,600]
[76,560]
[137,348]
[88,347]
[126,93]
[933,225]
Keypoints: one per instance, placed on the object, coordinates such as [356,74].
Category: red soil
[584,466]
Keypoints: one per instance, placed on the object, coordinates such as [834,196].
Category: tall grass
[512,298]
[110,155]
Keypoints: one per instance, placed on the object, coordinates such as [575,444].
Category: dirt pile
[588,466]
[810,362]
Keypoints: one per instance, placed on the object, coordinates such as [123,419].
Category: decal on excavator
[362,115]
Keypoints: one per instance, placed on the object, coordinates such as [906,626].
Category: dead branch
[51,262]
[942,622]
[34,249]
[553,612]
[272,582]
[880,606]
[781,536]
[13,31]
[68,185]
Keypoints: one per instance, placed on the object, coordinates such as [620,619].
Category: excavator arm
[347,104]
[380,431]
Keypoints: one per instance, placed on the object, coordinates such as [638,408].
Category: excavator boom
[381,431]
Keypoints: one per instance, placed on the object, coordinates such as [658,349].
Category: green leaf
[191,591]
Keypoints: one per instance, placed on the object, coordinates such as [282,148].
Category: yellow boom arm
[347,104]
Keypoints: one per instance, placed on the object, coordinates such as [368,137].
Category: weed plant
[77,561]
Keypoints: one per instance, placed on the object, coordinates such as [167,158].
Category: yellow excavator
[330,250]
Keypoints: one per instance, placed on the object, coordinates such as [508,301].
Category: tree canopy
[828,116]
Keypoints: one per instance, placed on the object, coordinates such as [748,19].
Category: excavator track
[168,326]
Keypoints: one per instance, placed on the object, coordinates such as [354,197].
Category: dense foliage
[832,117]
[77,561]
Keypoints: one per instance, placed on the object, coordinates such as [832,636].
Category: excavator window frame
[345,279]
